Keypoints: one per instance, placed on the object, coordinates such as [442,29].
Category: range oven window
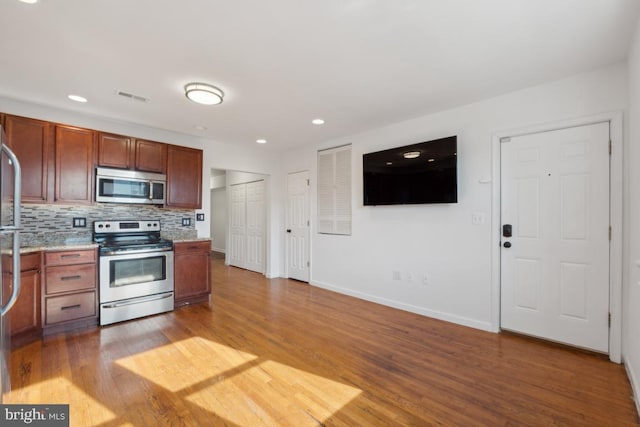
[133,271]
[113,187]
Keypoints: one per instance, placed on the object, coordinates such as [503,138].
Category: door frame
[286,213]
[615,210]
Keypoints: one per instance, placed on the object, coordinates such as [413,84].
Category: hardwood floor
[280,352]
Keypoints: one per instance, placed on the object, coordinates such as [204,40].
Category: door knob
[288,230]
[507,245]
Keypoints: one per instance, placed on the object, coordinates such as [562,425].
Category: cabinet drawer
[191,247]
[70,257]
[70,307]
[67,278]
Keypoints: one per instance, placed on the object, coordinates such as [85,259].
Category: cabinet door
[191,269]
[150,156]
[31,140]
[184,177]
[74,165]
[25,314]
[114,151]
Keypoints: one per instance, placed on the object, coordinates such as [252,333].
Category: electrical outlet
[409,277]
[186,222]
[79,222]
[425,280]
[199,217]
[477,218]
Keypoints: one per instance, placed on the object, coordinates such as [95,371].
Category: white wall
[439,242]
[631,290]
[219,219]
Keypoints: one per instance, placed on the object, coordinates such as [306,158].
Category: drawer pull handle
[70,256]
[76,277]
[69,307]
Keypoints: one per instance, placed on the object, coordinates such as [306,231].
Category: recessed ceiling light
[411,154]
[389,163]
[261,141]
[431,160]
[317,121]
[77,98]
[203,93]
[29,1]
[199,127]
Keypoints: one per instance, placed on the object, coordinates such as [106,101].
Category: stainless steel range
[136,269]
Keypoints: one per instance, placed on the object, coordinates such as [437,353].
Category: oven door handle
[137,251]
[138,300]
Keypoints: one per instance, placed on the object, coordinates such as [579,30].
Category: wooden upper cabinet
[74,160]
[114,151]
[184,177]
[150,156]
[31,141]
[123,152]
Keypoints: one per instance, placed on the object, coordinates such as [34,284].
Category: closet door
[237,223]
[255,221]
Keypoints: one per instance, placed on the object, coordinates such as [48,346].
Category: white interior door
[555,274]
[255,256]
[298,226]
[237,225]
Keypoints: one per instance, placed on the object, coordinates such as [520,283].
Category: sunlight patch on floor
[238,386]
[274,393]
[60,390]
[185,363]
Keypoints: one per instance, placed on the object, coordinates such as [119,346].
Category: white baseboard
[448,317]
[635,387]
[224,251]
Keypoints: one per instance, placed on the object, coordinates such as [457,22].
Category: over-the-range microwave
[125,186]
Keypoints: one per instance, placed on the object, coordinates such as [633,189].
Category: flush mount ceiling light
[29,1]
[317,121]
[261,141]
[203,93]
[411,155]
[77,98]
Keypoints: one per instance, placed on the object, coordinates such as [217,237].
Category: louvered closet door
[334,190]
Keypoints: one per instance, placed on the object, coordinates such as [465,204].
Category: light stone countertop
[195,239]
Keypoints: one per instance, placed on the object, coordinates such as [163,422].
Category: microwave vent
[131,96]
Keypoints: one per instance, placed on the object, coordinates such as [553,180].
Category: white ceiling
[358,64]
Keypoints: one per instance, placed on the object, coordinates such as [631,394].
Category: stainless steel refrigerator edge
[10,198]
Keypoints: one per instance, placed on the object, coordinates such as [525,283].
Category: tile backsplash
[54,223]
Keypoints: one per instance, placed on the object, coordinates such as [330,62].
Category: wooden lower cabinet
[192,274]
[70,299]
[24,317]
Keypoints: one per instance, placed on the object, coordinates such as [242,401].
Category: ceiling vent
[131,96]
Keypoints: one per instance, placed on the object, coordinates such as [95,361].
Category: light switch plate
[186,222]
[199,217]
[79,222]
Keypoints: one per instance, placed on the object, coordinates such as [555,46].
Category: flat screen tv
[414,174]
